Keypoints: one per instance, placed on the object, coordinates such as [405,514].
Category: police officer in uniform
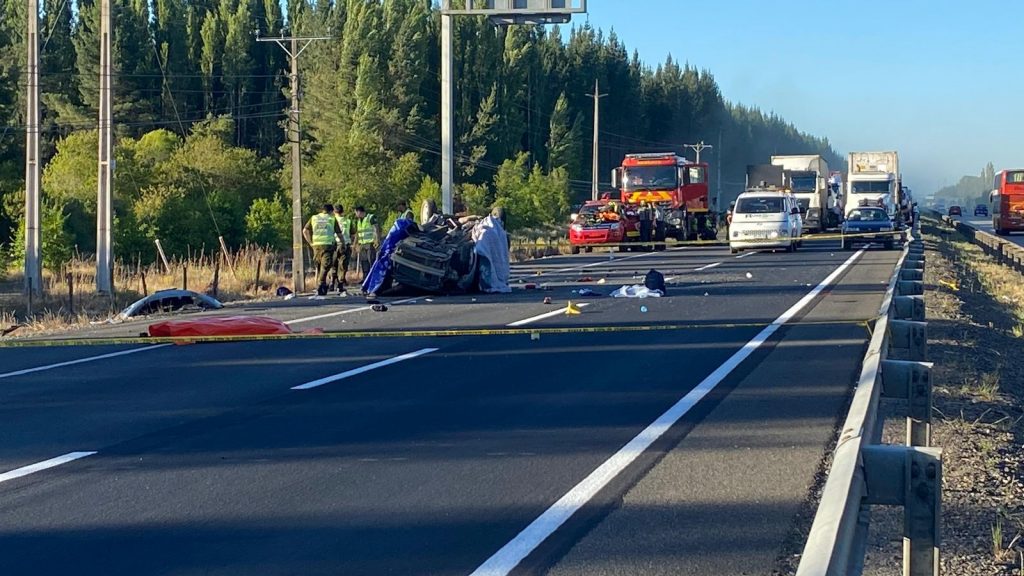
[367,240]
[320,233]
[343,254]
[646,214]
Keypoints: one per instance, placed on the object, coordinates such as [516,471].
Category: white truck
[873,178]
[806,176]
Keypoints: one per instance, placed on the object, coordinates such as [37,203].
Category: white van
[765,219]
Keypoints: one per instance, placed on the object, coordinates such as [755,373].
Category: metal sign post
[501,12]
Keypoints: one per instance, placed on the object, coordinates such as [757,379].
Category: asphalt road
[985,224]
[651,451]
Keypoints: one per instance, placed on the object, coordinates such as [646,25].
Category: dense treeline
[201,107]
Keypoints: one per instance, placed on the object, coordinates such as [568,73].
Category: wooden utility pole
[291,47]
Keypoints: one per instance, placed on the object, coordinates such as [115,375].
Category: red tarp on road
[219,326]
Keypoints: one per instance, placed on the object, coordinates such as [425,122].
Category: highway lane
[209,463]
[985,224]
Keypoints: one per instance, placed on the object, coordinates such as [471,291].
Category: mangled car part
[166,301]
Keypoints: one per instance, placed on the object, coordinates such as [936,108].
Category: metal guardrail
[1005,252]
[865,473]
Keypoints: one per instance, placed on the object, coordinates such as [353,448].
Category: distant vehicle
[868,224]
[765,218]
[874,176]
[981,210]
[1007,200]
[596,223]
[955,211]
[806,176]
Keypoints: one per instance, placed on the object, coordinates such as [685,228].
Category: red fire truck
[1007,199]
[675,184]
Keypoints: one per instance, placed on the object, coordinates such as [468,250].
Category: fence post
[184,275]
[163,257]
[145,289]
[71,293]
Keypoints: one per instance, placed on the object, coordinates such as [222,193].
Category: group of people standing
[337,238]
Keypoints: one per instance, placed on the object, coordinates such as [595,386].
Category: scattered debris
[10,329]
[636,291]
[289,297]
[530,286]
[547,299]
[166,301]
[643,309]
[586,279]
[379,308]
[283,291]
[589,292]
[602,281]
[749,275]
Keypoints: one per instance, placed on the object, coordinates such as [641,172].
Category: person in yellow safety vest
[404,213]
[320,233]
[343,254]
[367,240]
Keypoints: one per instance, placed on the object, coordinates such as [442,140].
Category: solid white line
[745,254]
[506,559]
[708,267]
[44,465]
[544,316]
[364,369]
[81,361]
[343,312]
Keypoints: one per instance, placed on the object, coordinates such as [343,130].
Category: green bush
[268,224]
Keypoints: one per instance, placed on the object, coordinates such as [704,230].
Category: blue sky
[940,81]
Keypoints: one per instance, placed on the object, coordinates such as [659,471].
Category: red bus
[1007,200]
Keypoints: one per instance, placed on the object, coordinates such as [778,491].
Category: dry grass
[70,299]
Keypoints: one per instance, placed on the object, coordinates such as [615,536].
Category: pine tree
[565,139]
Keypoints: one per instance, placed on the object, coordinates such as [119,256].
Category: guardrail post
[908,308]
[910,336]
[921,511]
[911,477]
[911,275]
[911,381]
[910,288]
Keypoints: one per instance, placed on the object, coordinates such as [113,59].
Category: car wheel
[734,250]
[847,245]
[427,210]
[575,249]
[590,249]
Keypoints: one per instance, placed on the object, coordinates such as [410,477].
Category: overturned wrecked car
[443,255]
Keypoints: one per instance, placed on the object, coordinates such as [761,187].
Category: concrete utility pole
[447,114]
[293,50]
[104,208]
[698,147]
[33,252]
[597,125]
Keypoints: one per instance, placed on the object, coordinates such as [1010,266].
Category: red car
[603,223]
[955,211]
